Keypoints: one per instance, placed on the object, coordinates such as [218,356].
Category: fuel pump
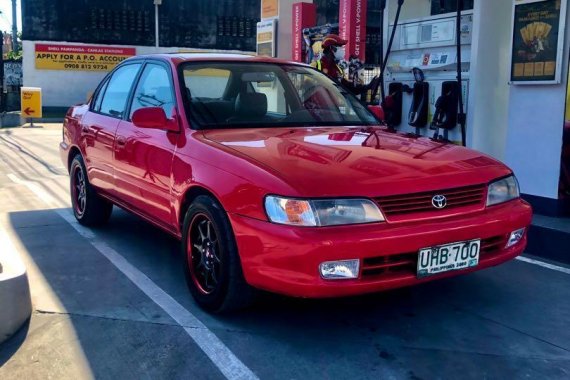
[427,74]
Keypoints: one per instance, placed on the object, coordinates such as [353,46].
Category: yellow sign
[31,99]
[265,37]
[269,9]
[80,57]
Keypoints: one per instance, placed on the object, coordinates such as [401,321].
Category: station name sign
[80,57]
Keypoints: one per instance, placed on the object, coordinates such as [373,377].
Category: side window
[207,83]
[154,90]
[99,97]
[114,100]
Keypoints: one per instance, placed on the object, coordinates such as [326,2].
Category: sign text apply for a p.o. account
[80,57]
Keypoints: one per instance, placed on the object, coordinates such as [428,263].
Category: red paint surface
[352,27]
[84,49]
[304,16]
[150,172]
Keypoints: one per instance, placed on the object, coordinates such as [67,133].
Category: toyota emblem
[439,201]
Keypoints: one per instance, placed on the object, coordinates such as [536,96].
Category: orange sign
[269,9]
[80,57]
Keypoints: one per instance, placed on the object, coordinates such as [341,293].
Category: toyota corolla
[274,177]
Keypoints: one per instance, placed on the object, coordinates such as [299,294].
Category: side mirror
[377,111]
[154,118]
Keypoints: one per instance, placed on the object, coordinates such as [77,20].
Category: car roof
[177,58]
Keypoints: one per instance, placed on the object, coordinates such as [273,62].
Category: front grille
[404,263]
[407,263]
[397,205]
[492,246]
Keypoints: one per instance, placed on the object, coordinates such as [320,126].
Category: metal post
[2,97]
[14,27]
[382,79]
[157,3]
[461,116]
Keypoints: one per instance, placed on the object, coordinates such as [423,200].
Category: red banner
[85,49]
[352,27]
[304,16]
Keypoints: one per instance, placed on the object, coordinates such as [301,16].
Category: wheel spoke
[214,277]
[206,277]
[202,236]
[200,265]
[215,256]
[198,247]
[208,232]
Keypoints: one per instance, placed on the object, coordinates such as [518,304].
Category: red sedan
[276,178]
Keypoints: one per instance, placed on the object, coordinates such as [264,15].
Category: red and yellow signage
[80,57]
[304,16]
[352,27]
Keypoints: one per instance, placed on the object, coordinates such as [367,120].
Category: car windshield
[252,95]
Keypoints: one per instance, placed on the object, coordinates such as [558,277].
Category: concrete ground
[112,303]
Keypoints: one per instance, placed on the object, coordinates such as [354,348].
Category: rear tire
[212,265]
[89,208]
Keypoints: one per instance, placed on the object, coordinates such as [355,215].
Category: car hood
[344,161]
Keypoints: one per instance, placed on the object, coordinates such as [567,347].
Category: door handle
[121,141]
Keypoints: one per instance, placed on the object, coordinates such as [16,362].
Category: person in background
[333,53]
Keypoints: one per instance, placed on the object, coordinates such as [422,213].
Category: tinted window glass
[206,82]
[154,90]
[99,98]
[251,95]
[115,98]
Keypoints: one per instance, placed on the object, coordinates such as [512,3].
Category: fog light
[515,237]
[340,270]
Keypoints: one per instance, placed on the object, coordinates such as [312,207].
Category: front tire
[213,268]
[89,208]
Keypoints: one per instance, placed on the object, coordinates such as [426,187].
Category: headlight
[321,212]
[503,190]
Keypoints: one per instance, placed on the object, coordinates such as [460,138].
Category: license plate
[449,257]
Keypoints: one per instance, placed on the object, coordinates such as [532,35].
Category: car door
[143,157]
[99,125]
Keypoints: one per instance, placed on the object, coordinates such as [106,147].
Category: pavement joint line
[475,313]
[544,264]
[485,353]
[165,324]
[220,355]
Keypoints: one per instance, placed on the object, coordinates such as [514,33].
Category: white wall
[490,71]
[63,88]
[534,137]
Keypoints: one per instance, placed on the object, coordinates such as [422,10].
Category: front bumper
[285,260]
